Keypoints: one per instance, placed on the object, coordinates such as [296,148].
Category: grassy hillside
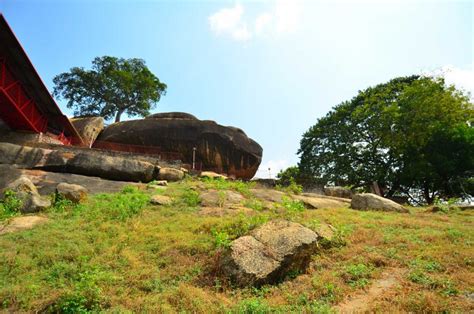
[118,253]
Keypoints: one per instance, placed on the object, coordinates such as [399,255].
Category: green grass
[118,253]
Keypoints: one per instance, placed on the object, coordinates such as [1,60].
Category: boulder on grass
[212,175]
[170,174]
[269,253]
[160,200]
[21,223]
[73,192]
[27,193]
[369,201]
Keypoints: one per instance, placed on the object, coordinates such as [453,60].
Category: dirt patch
[361,301]
[22,223]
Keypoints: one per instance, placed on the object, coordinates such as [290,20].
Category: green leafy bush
[10,205]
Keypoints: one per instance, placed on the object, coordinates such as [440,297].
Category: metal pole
[194,158]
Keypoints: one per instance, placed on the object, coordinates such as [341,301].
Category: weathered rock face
[28,194]
[88,128]
[338,191]
[46,182]
[369,201]
[22,223]
[222,149]
[85,162]
[269,253]
[73,192]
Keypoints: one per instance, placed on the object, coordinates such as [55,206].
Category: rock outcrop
[269,253]
[221,149]
[85,162]
[88,128]
[369,201]
[338,191]
[27,193]
[46,182]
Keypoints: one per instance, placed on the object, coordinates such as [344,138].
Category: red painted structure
[25,102]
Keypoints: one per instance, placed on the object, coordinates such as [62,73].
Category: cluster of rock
[86,162]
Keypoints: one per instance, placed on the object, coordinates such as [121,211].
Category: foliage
[160,259]
[290,180]
[112,87]
[10,205]
[222,184]
[412,136]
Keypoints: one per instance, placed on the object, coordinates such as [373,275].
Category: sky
[271,68]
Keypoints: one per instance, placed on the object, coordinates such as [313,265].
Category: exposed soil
[360,302]
[22,223]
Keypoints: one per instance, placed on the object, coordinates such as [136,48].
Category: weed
[252,306]
[11,205]
[293,187]
[292,207]
[254,204]
[357,275]
[190,197]
[221,239]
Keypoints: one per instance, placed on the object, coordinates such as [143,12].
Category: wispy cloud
[284,16]
[229,22]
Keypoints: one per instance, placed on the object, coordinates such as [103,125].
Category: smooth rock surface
[319,202]
[369,201]
[88,128]
[80,161]
[170,174]
[160,200]
[269,253]
[225,150]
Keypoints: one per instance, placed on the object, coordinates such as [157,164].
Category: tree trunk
[117,116]
[376,188]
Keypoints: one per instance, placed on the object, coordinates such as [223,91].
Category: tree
[394,137]
[288,176]
[112,87]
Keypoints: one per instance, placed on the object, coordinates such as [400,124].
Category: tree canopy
[112,87]
[410,136]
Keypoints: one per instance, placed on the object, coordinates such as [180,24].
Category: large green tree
[412,136]
[112,87]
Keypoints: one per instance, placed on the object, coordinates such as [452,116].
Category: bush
[11,205]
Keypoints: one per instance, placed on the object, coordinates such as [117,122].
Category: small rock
[160,200]
[73,192]
[338,191]
[212,175]
[22,223]
[23,184]
[269,253]
[171,174]
[369,201]
[214,198]
[27,193]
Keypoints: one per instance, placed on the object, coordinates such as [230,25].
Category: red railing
[17,109]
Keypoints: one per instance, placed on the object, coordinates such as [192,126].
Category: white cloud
[226,20]
[287,16]
[274,165]
[262,22]
[284,16]
[461,78]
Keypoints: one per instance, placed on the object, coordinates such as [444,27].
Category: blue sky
[271,68]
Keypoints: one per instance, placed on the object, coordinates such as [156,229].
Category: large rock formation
[80,161]
[222,149]
[88,128]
